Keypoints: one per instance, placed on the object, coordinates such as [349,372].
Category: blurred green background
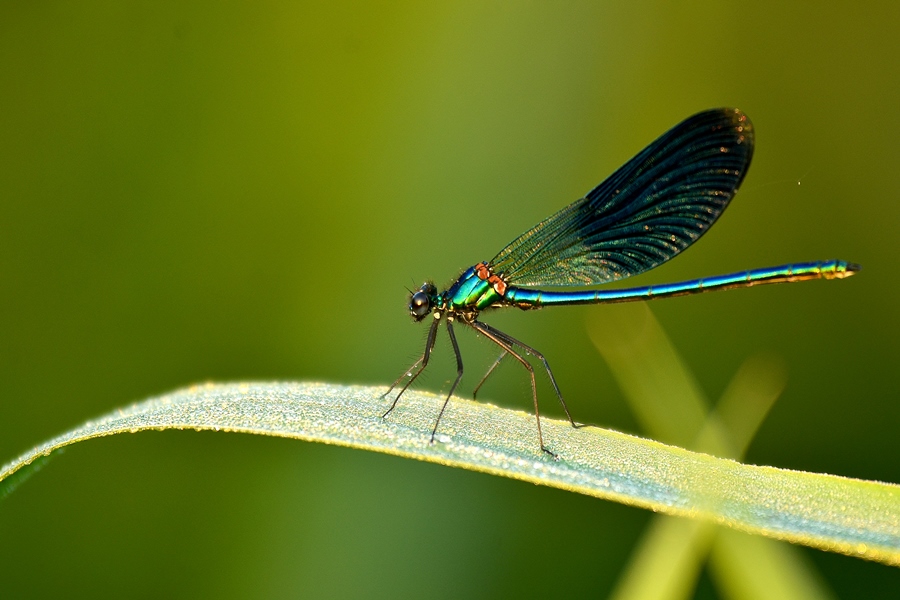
[242,191]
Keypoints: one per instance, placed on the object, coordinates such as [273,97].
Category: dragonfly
[648,211]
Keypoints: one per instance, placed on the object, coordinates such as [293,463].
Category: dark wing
[656,205]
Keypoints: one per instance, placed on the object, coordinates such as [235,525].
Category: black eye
[419,304]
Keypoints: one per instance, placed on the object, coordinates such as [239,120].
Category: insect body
[648,211]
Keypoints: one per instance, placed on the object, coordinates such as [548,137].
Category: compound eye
[419,304]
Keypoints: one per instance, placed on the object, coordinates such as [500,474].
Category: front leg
[423,360]
[488,374]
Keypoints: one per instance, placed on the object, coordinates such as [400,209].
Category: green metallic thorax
[470,292]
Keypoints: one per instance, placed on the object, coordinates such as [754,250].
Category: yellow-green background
[220,191]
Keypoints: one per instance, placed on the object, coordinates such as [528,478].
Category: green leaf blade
[855,517]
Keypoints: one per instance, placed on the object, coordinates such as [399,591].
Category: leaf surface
[855,517]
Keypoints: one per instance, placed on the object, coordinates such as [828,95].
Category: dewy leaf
[860,518]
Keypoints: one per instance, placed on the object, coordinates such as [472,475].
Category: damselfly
[656,205]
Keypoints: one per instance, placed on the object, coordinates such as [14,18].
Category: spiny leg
[429,344]
[459,374]
[488,374]
[488,333]
[514,342]
[406,373]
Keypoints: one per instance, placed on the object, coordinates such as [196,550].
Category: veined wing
[653,207]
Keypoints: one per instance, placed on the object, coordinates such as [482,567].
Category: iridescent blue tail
[828,269]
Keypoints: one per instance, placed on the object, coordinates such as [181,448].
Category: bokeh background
[219,191]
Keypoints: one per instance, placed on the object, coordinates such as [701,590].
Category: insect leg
[491,334]
[429,345]
[459,374]
[406,373]
[514,342]
[488,374]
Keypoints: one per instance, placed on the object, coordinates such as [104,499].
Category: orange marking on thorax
[499,284]
[484,273]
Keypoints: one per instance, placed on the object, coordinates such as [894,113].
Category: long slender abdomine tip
[848,270]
